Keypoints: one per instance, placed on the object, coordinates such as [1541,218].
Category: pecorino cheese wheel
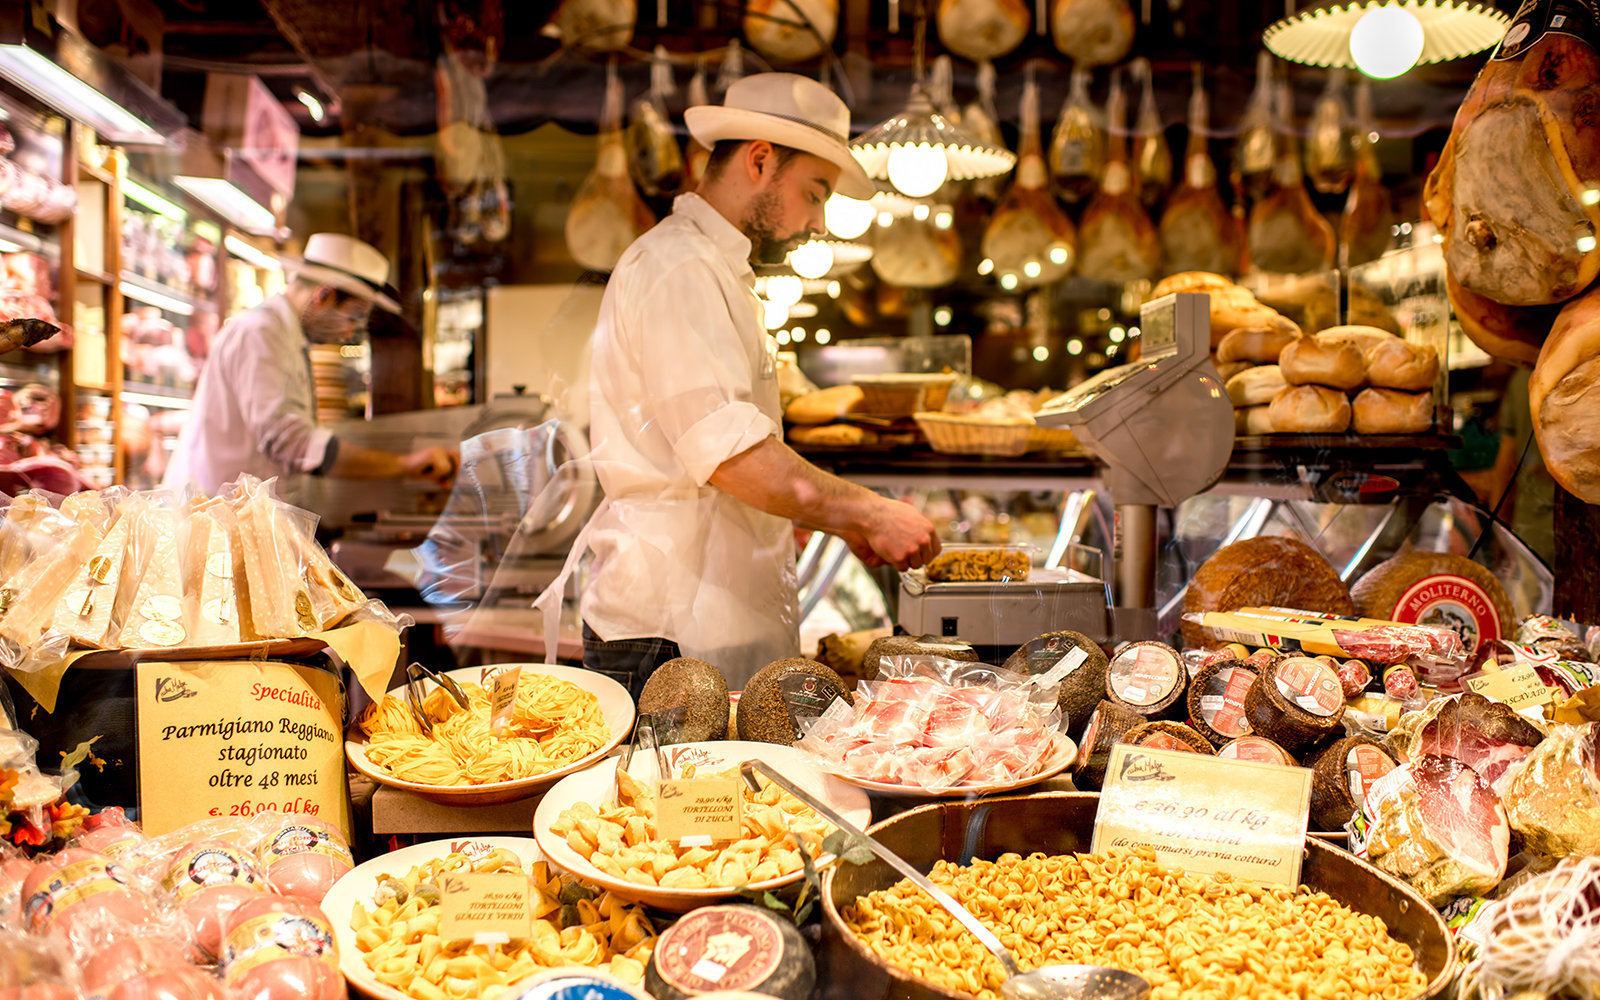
[1268,571]
[1437,588]
[1342,774]
[1107,725]
[1080,664]
[1216,700]
[689,700]
[1295,704]
[1167,736]
[905,645]
[1148,679]
[688,962]
[1258,749]
[781,694]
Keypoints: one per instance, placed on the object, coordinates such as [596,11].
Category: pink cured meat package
[931,724]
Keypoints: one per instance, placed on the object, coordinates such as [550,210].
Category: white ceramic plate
[597,784]
[615,706]
[1063,751]
[361,882]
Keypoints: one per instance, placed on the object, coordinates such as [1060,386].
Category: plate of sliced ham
[1062,751]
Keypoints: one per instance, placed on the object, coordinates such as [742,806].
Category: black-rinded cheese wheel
[1150,680]
[1105,729]
[689,700]
[1258,749]
[1216,700]
[1167,736]
[780,693]
[1341,774]
[905,645]
[1082,663]
[1296,703]
[688,961]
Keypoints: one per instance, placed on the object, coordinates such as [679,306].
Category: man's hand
[437,464]
[862,549]
[900,536]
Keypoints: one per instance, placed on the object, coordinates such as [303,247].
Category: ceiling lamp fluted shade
[1320,34]
[969,157]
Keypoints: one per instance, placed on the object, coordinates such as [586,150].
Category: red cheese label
[1364,765]
[1455,603]
[1252,748]
[70,885]
[1311,685]
[720,948]
[1086,747]
[272,936]
[1144,675]
[209,866]
[1225,712]
[1165,741]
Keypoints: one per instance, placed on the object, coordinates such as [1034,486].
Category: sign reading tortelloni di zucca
[237,738]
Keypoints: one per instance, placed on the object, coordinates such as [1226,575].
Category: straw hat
[789,110]
[347,264]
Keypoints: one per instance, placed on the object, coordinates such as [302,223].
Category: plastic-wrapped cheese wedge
[34,591]
[280,606]
[210,602]
[155,617]
[98,595]
[333,597]
[15,543]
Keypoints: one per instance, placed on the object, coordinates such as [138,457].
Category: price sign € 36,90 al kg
[1206,814]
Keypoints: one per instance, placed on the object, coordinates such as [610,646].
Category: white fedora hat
[347,264]
[789,110]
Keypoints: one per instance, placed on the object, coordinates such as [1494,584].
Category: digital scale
[1163,428]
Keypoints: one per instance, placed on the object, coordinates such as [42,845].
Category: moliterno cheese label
[239,738]
[1206,814]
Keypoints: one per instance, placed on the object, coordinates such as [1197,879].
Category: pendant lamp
[1385,38]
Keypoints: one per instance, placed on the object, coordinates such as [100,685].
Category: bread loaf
[1232,368]
[1252,421]
[1364,337]
[1312,361]
[1564,398]
[1385,411]
[824,406]
[1268,571]
[1256,386]
[1190,281]
[1310,409]
[831,436]
[1259,344]
[1235,307]
[1396,364]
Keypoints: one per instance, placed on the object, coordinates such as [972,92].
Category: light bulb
[847,217]
[834,289]
[823,336]
[784,290]
[798,334]
[1008,281]
[918,170]
[782,338]
[920,213]
[812,259]
[1041,354]
[942,316]
[885,220]
[1117,333]
[1032,269]
[1386,41]
[1074,347]
[777,315]
[985,266]
[1058,255]
[944,219]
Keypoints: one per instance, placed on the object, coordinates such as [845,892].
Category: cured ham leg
[1511,332]
[654,159]
[1564,398]
[1255,149]
[1198,233]
[594,25]
[1287,233]
[607,214]
[1152,157]
[1028,227]
[1120,243]
[19,333]
[1078,146]
[983,29]
[1364,230]
[1331,139]
[791,30]
[1092,32]
[981,119]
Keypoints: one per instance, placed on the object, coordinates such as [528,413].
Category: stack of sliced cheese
[115,570]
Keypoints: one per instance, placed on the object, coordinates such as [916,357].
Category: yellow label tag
[503,698]
[700,807]
[488,903]
[1518,686]
[1206,814]
[233,739]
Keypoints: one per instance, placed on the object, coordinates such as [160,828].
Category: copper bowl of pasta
[564,719]
[1019,873]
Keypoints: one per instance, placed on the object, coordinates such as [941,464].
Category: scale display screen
[1158,330]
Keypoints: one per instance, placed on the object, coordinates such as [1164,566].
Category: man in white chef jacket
[255,409]
[694,547]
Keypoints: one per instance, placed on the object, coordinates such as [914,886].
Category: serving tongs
[415,674]
[1051,982]
[644,738]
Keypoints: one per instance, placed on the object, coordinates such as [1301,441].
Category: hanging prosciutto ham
[1364,230]
[1331,138]
[791,30]
[983,29]
[1152,157]
[1254,150]
[1029,227]
[1198,233]
[1514,333]
[1119,243]
[593,25]
[915,253]
[1092,32]
[607,214]
[981,119]
[1564,398]
[1078,146]
[654,159]
[1287,233]
[695,156]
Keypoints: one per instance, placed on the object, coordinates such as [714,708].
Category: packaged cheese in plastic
[155,614]
[211,603]
[280,606]
[96,600]
[60,544]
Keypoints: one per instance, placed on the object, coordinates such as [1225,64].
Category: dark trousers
[629,662]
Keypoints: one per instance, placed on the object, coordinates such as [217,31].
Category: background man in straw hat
[255,409]
[695,545]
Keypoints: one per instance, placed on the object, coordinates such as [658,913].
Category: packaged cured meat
[1152,157]
[1075,662]
[1364,229]
[38,409]
[1029,236]
[791,30]
[1118,242]
[1329,635]
[1436,588]
[1092,32]
[1255,151]
[35,969]
[607,214]
[1331,137]
[1077,147]
[172,983]
[981,30]
[115,957]
[304,856]
[278,947]
[654,159]
[1197,231]
[1543,938]
[209,879]
[593,25]
[1434,823]
[78,885]
[982,120]
[109,832]
[1486,735]
[1553,800]
[1287,233]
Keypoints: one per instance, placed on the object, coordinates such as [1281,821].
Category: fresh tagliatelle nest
[621,839]
[574,925]
[553,724]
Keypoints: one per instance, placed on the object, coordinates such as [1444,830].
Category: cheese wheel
[777,961]
[1342,774]
[904,645]
[1295,704]
[1386,411]
[1107,725]
[1256,386]
[1435,588]
[1148,679]
[1310,409]
[1167,735]
[1216,700]
[689,700]
[784,693]
[1335,364]
[1258,749]
[1267,571]
[1077,661]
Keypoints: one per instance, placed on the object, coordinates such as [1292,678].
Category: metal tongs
[644,738]
[415,674]
[1052,982]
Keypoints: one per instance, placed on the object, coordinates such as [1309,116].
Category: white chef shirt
[684,378]
[255,409]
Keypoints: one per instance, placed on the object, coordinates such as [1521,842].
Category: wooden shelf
[98,277]
[95,173]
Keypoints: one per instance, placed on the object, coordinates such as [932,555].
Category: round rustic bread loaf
[1232,368]
[1190,281]
[1335,364]
[1260,572]
[1397,364]
[1259,344]
[1232,308]
[1365,338]
[1251,421]
[823,406]
[1256,386]
[1385,411]
[1310,409]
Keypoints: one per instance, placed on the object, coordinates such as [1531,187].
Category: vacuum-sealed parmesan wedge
[333,596]
[90,608]
[155,616]
[210,603]
[60,550]
[280,606]
[15,532]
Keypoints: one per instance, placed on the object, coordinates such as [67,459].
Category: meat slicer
[1163,428]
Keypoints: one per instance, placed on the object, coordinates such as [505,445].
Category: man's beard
[326,326]
[767,245]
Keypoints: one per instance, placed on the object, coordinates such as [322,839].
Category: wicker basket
[953,434]
[901,394]
[1052,439]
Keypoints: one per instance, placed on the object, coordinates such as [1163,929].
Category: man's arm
[773,478]
[351,461]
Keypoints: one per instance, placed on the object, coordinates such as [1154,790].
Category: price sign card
[488,903]
[236,738]
[1518,686]
[1206,814]
[700,807]
[503,698]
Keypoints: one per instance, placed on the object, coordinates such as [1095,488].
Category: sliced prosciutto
[1485,735]
[1437,825]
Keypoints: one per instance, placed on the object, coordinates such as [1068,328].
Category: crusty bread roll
[1310,409]
[1564,397]
[1256,386]
[1234,307]
[1190,281]
[1385,411]
[832,436]
[1252,420]
[1364,337]
[1232,368]
[1259,344]
[1335,364]
[1396,364]
[823,406]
